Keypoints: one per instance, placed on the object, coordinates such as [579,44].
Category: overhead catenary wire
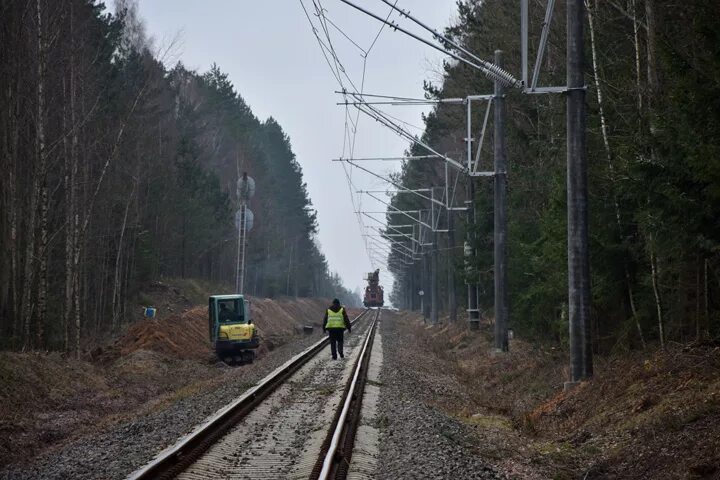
[421,129]
[395,184]
[346,36]
[391,228]
[398,244]
[340,73]
[395,104]
[408,99]
[336,68]
[380,117]
[393,123]
[395,235]
[493,72]
[387,159]
[386,118]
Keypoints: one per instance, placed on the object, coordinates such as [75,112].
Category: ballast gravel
[418,438]
[125,447]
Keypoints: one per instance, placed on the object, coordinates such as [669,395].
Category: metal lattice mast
[243,223]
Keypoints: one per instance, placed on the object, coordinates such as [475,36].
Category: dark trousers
[336,342]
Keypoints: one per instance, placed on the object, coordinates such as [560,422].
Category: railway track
[298,422]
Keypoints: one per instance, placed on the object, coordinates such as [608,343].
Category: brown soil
[186,335]
[47,399]
[182,336]
[650,414]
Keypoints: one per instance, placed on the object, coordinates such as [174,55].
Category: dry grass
[644,415]
[47,400]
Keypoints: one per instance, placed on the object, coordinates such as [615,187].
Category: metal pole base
[567,386]
[474,324]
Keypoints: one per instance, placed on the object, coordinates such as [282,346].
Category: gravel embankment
[123,448]
[419,439]
[282,437]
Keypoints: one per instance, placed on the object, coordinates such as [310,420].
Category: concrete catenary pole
[425,299]
[500,234]
[577,199]
[413,290]
[434,296]
[452,302]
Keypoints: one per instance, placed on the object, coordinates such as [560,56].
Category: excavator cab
[232,332]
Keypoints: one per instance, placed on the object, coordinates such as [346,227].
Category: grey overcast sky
[272,57]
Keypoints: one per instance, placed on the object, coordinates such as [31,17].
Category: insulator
[495,72]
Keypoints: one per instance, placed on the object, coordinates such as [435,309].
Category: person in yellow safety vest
[335,322]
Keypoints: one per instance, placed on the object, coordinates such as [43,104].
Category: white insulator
[495,72]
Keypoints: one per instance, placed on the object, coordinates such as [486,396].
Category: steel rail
[175,459]
[337,450]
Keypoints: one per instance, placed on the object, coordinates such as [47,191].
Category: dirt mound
[185,336]
[182,336]
[49,399]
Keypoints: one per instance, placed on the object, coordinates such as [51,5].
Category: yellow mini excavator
[232,332]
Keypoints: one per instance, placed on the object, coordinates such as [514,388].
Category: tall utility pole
[411,290]
[243,222]
[452,302]
[472,307]
[425,286]
[241,244]
[427,270]
[577,199]
[434,297]
[500,234]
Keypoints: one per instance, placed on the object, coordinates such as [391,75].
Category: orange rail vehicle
[374,296]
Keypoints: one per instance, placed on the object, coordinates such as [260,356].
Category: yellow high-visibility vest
[335,319]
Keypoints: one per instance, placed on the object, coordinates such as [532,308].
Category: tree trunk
[636,39]
[14,254]
[71,215]
[80,283]
[652,92]
[77,314]
[707,305]
[652,72]
[654,269]
[13,111]
[42,172]
[108,161]
[697,298]
[118,276]
[30,253]
[608,155]
[67,307]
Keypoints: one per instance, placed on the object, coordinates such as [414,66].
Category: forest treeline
[117,171]
[653,76]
